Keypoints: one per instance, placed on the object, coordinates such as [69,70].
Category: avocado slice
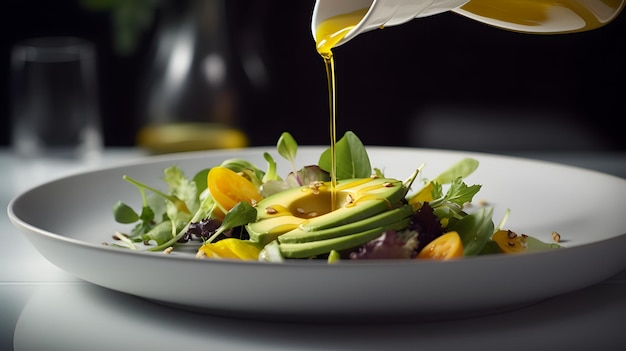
[381,219]
[314,248]
[308,208]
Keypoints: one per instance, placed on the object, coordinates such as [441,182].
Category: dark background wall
[452,78]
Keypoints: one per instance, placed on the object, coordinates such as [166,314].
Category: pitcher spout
[375,14]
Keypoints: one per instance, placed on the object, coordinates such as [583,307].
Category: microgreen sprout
[271,168]
[288,148]
[180,204]
[127,243]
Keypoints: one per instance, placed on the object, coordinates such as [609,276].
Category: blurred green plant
[130,19]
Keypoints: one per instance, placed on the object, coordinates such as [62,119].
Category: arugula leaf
[449,206]
[459,193]
[433,191]
[436,191]
[351,156]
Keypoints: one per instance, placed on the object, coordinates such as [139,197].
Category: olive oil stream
[328,33]
[533,16]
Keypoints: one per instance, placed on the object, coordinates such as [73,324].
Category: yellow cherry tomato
[508,241]
[231,248]
[229,188]
[445,247]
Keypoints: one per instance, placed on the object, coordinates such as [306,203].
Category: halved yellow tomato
[508,241]
[445,247]
[231,248]
[229,188]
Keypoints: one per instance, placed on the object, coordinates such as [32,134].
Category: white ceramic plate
[68,219]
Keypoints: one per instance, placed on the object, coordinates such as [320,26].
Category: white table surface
[43,308]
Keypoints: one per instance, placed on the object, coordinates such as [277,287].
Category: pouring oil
[327,34]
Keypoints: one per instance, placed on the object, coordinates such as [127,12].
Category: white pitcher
[531,16]
[381,12]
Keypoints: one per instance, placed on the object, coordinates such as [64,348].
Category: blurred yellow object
[181,137]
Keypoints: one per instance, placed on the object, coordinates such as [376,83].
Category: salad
[237,210]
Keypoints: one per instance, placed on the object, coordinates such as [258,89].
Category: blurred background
[444,81]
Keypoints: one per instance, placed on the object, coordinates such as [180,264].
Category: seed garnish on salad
[239,211]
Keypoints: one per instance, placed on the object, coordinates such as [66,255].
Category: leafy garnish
[461,169]
[351,158]
[124,213]
[201,179]
[160,233]
[475,230]
[271,169]
[242,214]
[432,189]
[458,193]
[185,191]
[288,148]
[180,204]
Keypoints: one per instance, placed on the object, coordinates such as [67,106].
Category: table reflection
[85,316]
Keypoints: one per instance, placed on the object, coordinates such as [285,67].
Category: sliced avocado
[381,219]
[314,248]
[308,208]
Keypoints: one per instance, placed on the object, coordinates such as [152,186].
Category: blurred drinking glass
[55,108]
